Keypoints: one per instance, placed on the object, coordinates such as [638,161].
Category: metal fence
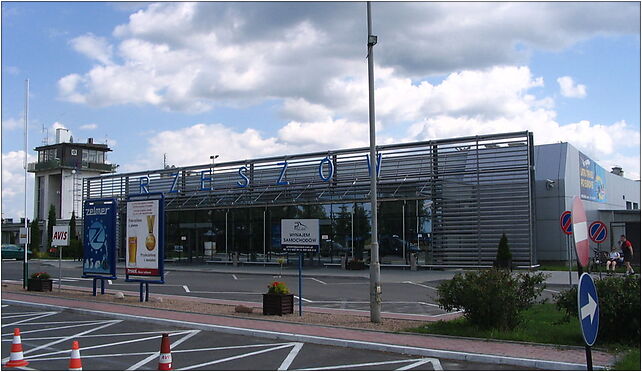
[480,187]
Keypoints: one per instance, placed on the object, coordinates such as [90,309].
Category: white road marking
[70,277]
[417,362]
[235,357]
[108,323]
[42,315]
[110,282]
[94,336]
[186,288]
[55,328]
[157,354]
[317,280]
[436,365]
[290,358]
[421,285]
[303,299]
[234,276]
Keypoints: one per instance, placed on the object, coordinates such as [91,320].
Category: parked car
[14,251]
[335,248]
[393,246]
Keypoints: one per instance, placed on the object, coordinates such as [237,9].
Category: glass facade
[444,202]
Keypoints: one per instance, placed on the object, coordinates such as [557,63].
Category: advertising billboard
[144,238]
[99,243]
[592,180]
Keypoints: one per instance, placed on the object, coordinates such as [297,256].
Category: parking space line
[107,324]
[436,365]
[240,293]
[186,288]
[303,299]
[317,280]
[423,361]
[93,336]
[421,285]
[234,276]
[42,315]
[290,358]
[236,357]
[55,328]
[157,354]
[105,345]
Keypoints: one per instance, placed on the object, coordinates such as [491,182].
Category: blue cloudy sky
[246,80]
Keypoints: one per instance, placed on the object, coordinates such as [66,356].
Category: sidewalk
[457,348]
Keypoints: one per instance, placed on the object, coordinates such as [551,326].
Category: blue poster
[99,244]
[592,180]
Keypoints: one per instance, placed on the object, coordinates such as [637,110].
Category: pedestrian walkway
[474,350]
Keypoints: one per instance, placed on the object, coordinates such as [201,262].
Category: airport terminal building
[445,202]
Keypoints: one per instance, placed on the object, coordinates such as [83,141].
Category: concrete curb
[454,355]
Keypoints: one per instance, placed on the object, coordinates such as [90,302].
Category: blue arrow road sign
[589,308]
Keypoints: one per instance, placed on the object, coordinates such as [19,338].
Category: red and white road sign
[598,231]
[580,231]
[565,223]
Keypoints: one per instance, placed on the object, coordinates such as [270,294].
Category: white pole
[375,273]
[26,140]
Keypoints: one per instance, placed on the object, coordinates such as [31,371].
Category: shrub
[619,299]
[491,298]
[278,288]
[504,257]
[41,275]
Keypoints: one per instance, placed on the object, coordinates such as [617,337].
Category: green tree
[51,222]
[504,257]
[35,236]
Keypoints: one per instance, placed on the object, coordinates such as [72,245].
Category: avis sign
[60,236]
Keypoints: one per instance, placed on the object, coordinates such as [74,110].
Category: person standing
[627,252]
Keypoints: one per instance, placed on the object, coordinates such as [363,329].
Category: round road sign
[565,223]
[588,308]
[580,231]
[598,232]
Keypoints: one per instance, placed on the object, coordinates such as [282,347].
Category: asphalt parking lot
[116,344]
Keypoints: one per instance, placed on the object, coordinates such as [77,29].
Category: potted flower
[40,281]
[278,300]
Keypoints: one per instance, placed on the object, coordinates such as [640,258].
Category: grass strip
[630,361]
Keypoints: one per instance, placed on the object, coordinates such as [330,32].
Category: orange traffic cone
[16,359]
[75,364]
[165,360]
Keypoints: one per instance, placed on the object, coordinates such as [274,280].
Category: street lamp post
[375,270]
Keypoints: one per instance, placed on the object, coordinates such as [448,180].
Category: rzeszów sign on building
[299,235]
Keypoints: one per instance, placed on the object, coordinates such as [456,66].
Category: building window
[635,206]
[628,205]
[101,157]
[85,155]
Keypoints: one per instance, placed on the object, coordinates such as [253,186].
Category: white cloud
[13,182]
[91,126]
[569,89]
[193,57]
[12,123]
[94,47]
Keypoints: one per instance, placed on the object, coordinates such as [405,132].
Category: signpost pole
[59,266]
[570,256]
[300,284]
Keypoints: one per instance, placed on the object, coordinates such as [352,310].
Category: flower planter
[355,265]
[40,285]
[278,304]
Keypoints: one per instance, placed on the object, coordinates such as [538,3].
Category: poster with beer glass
[143,239]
